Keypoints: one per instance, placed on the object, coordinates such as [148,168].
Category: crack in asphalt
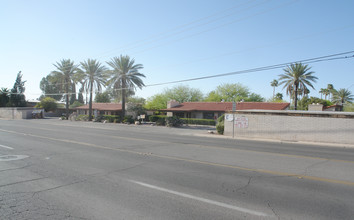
[17,168]
[25,181]
[273,210]
[57,187]
[245,186]
[305,173]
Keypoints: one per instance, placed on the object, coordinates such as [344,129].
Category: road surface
[51,169]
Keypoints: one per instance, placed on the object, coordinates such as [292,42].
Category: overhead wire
[276,66]
[178,27]
[255,69]
[173,34]
[219,26]
[330,57]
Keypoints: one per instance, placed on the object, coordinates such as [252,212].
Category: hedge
[100,118]
[83,118]
[197,121]
[112,118]
[220,125]
[155,118]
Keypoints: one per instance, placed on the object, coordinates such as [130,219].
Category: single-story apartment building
[101,108]
[213,110]
[320,107]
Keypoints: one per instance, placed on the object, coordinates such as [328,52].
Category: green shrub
[174,121]
[83,118]
[48,103]
[76,104]
[128,119]
[112,118]
[221,118]
[108,118]
[161,121]
[220,128]
[197,121]
[155,118]
[99,118]
[220,124]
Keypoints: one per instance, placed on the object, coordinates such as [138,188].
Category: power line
[158,35]
[331,57]
[217,27]
[263,46]
[276,66]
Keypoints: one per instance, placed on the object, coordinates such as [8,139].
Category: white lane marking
[12,157]
[3,146]
[240,209]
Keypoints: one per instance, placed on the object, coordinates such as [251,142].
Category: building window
[179,114]
[208,115]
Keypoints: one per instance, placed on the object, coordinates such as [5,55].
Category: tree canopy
[125,75]
[342,96]
[296,78]
[103,97]
[50,88]
[4,97]
[48,104]
[93,76]
[180,93]
[63,75]
[156,102]
[233,92]
[17,98]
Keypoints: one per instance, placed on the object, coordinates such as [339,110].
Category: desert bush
[83,118]
[197,121]
[220,124]
[155,118]
[174,121]
[128,119]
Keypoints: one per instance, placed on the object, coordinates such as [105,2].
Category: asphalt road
[51,169]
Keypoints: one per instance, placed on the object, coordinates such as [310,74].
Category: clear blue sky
[178,39]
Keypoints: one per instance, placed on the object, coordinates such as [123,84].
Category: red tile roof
[103,107]
[227,106]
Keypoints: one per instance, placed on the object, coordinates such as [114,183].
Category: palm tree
[93,73]
[297,77]
[342,96]
[66,69]
[274,84]
[326,93]
[330,88]
[322,91]
[79,79]
[125,74]
[4,97]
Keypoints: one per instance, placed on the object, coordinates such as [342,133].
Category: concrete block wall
[16,113]
[292,126]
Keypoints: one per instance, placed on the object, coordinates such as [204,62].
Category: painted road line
[210,147]
[212,202]
[3,146]
[349,183]
[12,157]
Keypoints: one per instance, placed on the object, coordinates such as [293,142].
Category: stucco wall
[16,113]
[330,127]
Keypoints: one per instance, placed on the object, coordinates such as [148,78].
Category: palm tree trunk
[123,99]
[295,97]
[90,103]
[273,92]
[67,99]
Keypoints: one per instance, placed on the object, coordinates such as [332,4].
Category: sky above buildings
[179,39]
